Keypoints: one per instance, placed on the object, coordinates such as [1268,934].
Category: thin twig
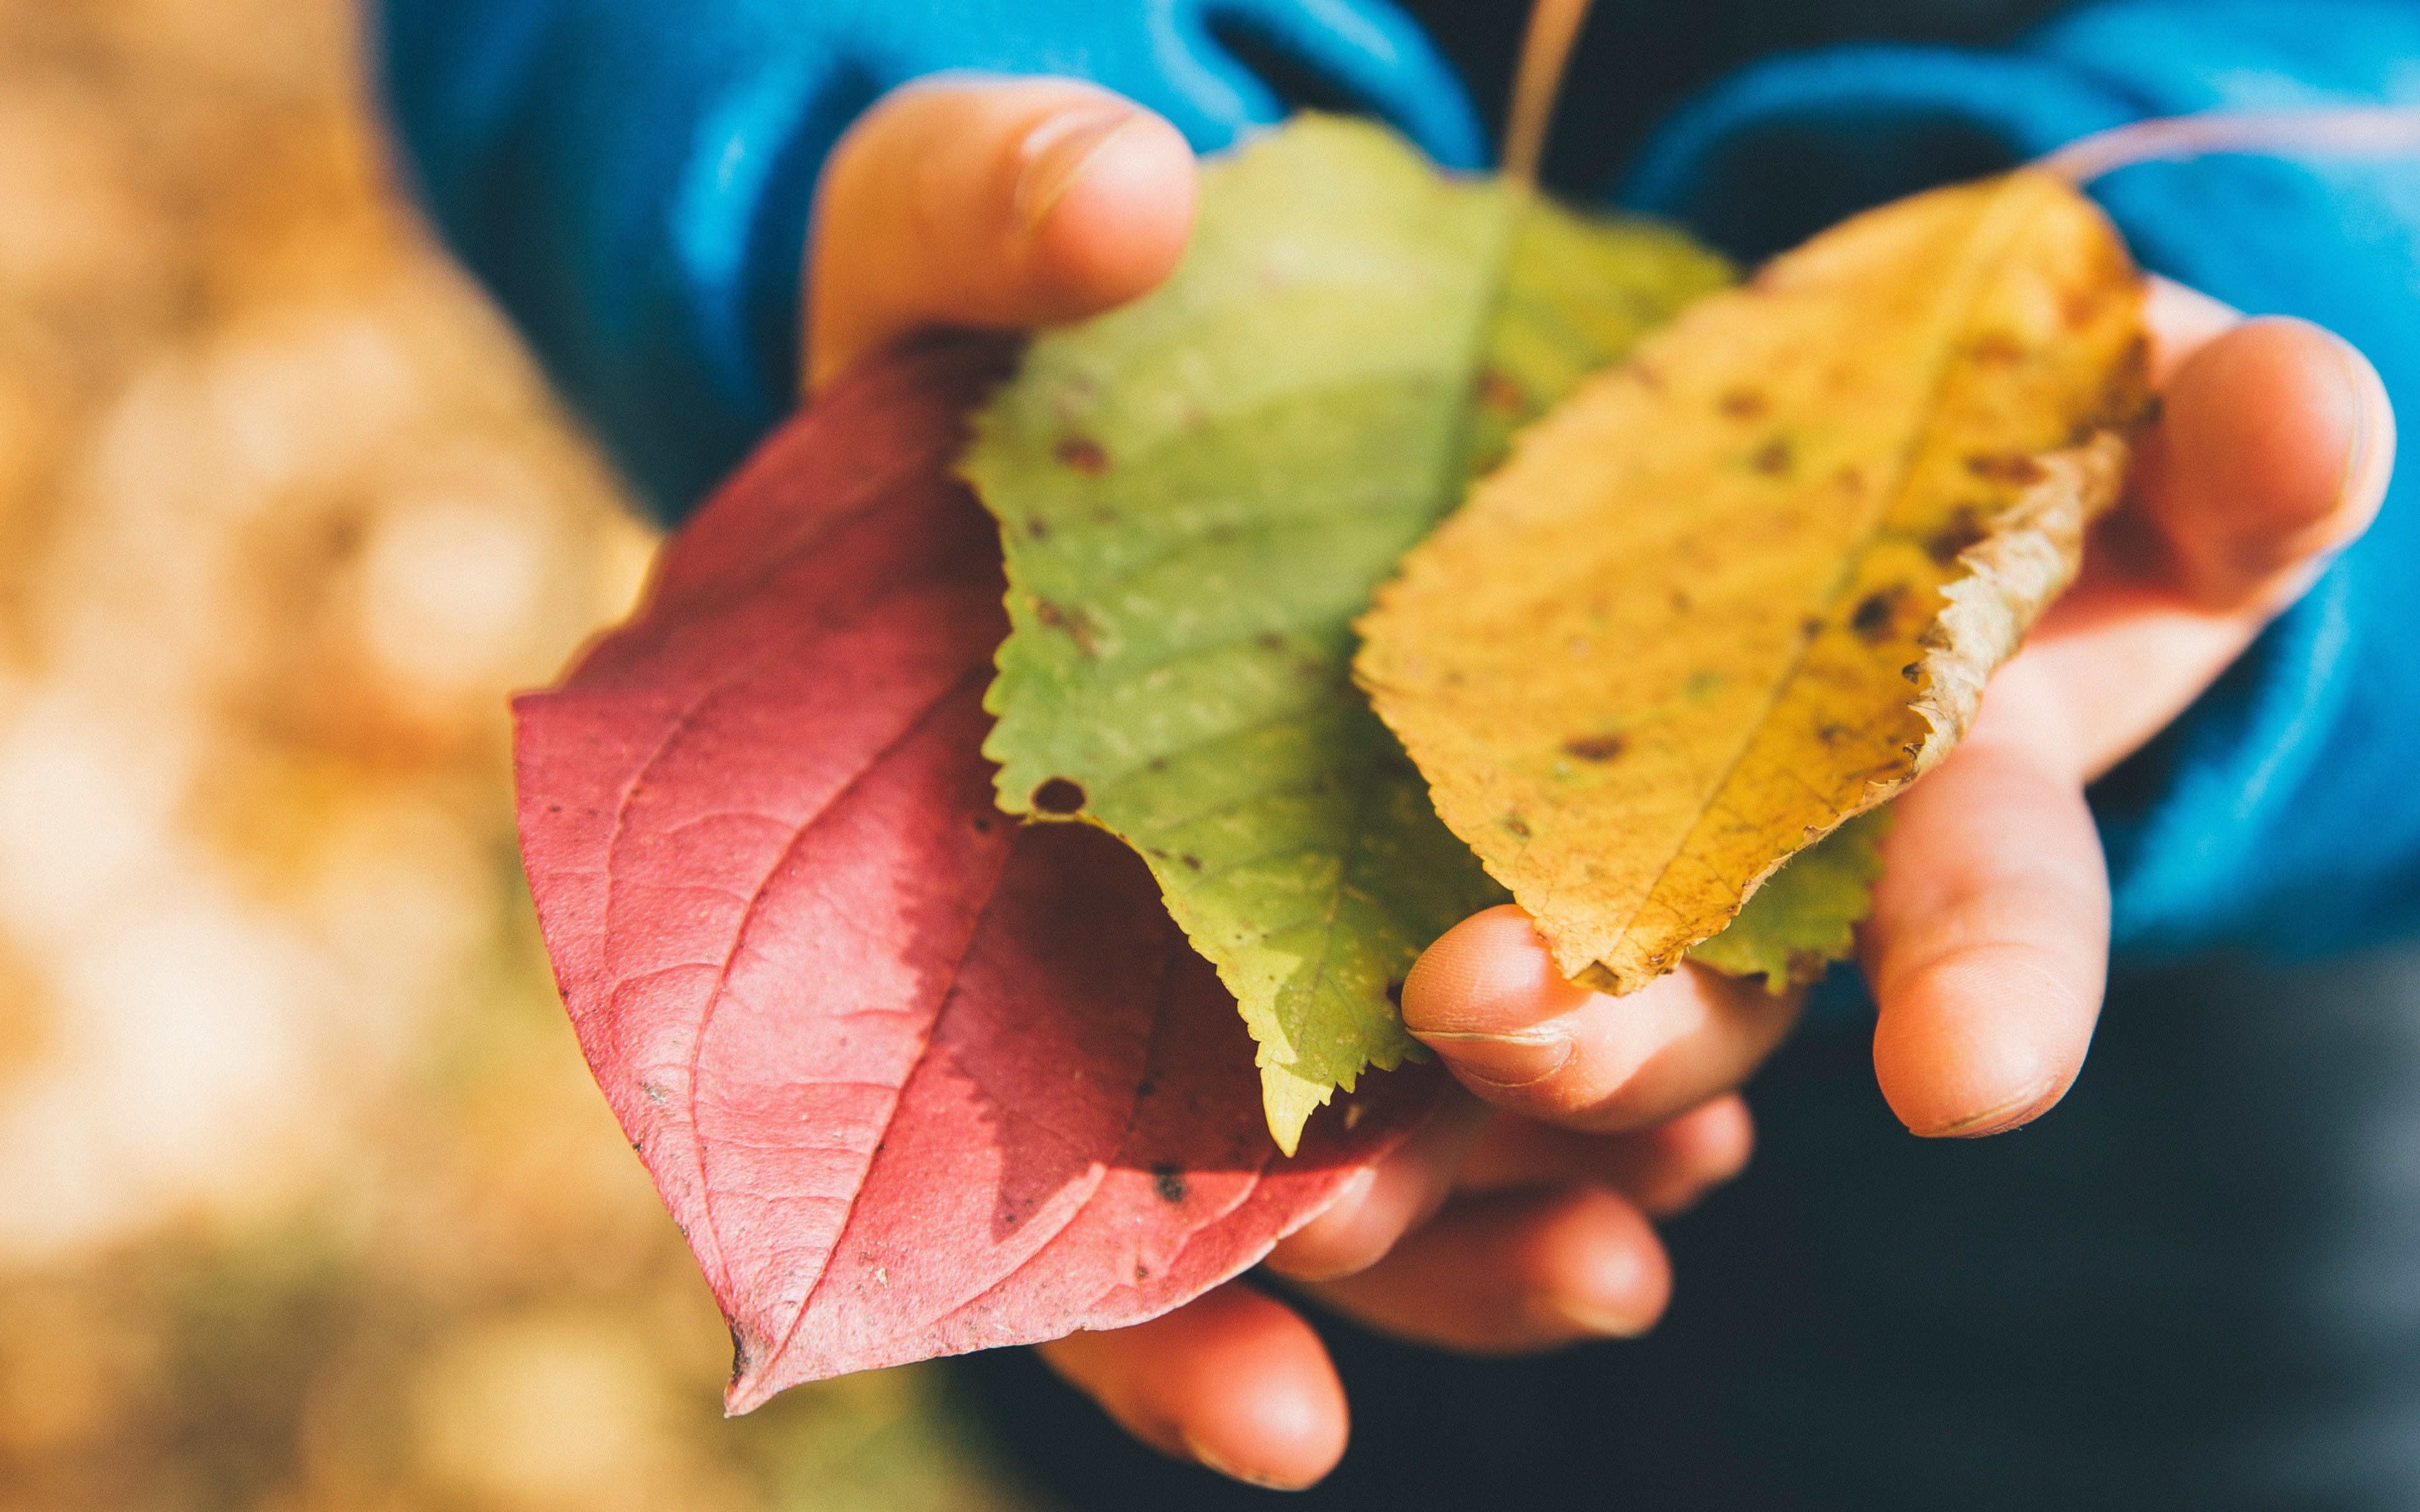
[1545,52]
[2374,132]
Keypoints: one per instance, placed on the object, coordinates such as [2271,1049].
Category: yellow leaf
[1751,583]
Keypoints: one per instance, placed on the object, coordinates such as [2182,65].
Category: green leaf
[1198,493]
[1802,920]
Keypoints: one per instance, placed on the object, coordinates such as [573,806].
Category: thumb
[993,205]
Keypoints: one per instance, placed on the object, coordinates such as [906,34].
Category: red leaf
[912,1079]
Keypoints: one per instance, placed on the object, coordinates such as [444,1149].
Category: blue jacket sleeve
[631,179]
[2283,811]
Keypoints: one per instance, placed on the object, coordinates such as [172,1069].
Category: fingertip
[1379,1204]
[1116,224]
[990,204]
[1258,1401]
[1512,1273]
[1233,1380]
[1489,974]
[1981,1040]
[2272,450]
[1598,1270]
[1698,1150]
[1487,998]
[1352,1235]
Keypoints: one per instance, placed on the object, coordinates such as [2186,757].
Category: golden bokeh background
[305,1198]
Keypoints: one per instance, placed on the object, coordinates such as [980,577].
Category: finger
[995,205]
[2274,450]
[1988,946]
[1663,1169]
[1516,1272]
[1487,998]
[1233,1380]
[1383,1202]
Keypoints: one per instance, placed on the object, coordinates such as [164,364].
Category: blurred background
[306,1200]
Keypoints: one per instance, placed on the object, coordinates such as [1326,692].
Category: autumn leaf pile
[1029,781]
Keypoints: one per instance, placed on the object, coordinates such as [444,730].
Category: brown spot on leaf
[1192,862]
[1596,747]
[1961,530]
[1497,392]
[1517,825]
[1077,624]
[1874,613]
[2008,466]
[1913,671]
[1036,528]
[1056,796]
[1169,1183]
[1997,350]
[1269,641]
[1083,454]
[1774,458]
[1743,404]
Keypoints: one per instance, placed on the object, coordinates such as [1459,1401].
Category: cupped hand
[1988,946]
[1008,205]
[1519,1218]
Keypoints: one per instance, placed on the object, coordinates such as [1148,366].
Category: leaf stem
[2369,131]
[1545,52]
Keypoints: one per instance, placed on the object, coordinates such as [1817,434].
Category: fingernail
[1588,1319]
[1211,1461]
[1505,1060]
[2000,1118]
[2364,461]
[1056,152]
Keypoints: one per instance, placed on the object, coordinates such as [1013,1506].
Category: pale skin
[1521,1219]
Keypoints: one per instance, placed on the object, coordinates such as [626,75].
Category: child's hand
[1986,952]
[1009,205]
[1006,204]
[1989,941]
